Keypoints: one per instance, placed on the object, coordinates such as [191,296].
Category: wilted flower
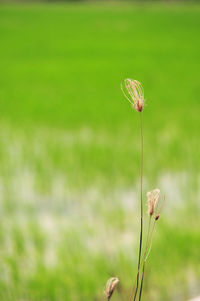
[110,287]
[152,199]
[133,91]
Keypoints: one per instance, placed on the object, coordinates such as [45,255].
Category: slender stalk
[147,249]
[141,286]
[141,207]
[144,258]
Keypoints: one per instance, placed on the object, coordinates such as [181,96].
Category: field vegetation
[69,149]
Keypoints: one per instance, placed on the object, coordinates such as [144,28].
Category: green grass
[69,149]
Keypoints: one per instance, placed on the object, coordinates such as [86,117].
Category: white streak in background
[22,189]
[38,190]
[174,186]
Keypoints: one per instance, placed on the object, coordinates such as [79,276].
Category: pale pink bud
[133,91]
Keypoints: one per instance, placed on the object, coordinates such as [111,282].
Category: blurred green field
[69,149]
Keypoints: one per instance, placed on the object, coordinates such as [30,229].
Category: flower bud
[152,199]
[133,91]
[110,287]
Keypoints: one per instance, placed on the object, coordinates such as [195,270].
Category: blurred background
[69,148]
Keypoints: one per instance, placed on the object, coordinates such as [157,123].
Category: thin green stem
[144,258]
[147,249]
[141,286]
[145,255]
[141,207]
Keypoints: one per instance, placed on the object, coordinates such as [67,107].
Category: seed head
[133,91]
[152,199]
[110,287]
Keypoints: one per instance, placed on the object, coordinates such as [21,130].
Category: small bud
[110,287]
[133,91]
[157,217]
[152,199]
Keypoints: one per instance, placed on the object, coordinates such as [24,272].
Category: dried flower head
[152,199]
[110,287]
[133,91]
